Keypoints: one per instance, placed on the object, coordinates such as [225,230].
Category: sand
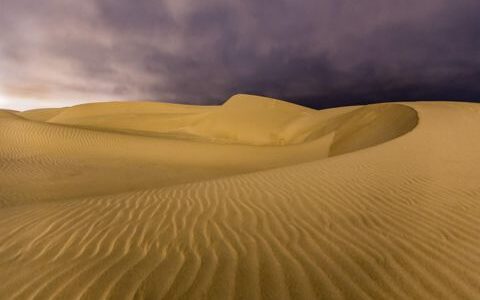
[254,199]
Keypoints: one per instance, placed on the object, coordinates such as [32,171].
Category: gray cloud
[319,53]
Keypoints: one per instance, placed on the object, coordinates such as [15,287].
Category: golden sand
[254,199]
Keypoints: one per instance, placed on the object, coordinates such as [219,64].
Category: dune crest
[248,200]
[243,119]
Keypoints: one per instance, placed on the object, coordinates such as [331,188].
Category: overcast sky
[314,52]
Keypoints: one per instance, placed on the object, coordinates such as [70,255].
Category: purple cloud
[319,53]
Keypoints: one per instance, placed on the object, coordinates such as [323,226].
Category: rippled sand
[254,199]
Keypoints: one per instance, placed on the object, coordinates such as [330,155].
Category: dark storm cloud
[319,53]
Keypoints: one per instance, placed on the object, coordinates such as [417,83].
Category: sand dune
[254,199]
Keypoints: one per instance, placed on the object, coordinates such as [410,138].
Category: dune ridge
[244,216]
[243,119]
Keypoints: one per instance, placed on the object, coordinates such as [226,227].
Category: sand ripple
[396,221]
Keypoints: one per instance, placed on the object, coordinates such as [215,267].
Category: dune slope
[249,200]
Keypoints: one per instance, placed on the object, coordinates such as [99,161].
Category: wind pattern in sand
[162,201]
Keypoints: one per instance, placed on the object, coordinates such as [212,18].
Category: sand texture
[253,199]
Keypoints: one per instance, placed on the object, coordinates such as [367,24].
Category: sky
[319,53]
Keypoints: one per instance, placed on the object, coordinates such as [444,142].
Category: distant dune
[254,199]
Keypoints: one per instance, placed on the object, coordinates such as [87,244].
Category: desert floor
[254,199]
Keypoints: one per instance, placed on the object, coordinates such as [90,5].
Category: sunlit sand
[254,199]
